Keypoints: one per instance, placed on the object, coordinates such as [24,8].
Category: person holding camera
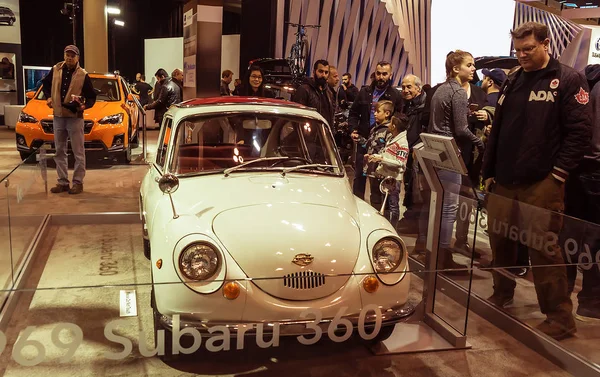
[68,90]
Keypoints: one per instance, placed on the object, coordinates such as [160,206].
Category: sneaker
[59,188]
[501,300]
[76,189]
[558,330]
[520,272]
[584,314]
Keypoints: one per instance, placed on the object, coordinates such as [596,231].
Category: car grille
[48,126]
[303,280]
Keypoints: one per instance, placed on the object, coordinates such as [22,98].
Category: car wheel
[168,338]
[147,249]
[125,156]
[136,140]
[385,332]
[25,156]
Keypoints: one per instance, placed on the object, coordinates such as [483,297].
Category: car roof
[239,100]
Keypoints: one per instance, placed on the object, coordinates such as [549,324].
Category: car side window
[165,135]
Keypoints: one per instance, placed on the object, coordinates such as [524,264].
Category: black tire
[136,140]
[125,156]
[147,249]
[168,337]
[25,156]
[385,332]
[302,56]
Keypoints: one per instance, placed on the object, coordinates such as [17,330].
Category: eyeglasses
[254,77]
[526,50]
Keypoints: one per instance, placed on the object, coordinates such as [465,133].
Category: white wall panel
[468,25]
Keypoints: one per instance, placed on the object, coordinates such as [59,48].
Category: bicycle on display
[299,50]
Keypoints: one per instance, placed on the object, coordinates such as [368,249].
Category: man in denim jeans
[69,91]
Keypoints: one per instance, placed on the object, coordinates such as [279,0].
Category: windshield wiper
[287,170]
[230,170]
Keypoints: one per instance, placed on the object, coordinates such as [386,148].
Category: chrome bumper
[290,328]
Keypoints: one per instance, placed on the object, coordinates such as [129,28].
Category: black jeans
[582,200]
[360,180]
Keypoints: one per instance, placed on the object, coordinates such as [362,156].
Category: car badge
[303,259]
[554,84]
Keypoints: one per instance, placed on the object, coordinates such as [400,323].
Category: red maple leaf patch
[582,97]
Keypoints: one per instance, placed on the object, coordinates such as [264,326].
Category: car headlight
[199,262]
[112,119]
[387,255]
[26,118]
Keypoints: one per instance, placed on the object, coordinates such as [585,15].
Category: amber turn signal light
[159,263]
[231,290]
[371,284]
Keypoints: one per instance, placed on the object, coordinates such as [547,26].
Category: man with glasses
[362,116]
[541,126]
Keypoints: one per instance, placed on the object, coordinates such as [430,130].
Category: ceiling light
[113,10]
[119,23]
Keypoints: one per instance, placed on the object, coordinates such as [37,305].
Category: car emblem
[303,259]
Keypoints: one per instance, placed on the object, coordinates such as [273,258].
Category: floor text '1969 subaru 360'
[249,221]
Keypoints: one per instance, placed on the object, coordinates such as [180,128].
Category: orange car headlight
[26,118]
[112,119]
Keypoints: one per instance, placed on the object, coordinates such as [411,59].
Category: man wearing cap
[492,82]
[69,91]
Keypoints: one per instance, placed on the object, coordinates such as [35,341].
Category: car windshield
[218,142]
[107,90]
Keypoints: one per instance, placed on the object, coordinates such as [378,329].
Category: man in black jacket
[362,116]
[414,106]
[170,93]
[542,122]
[315,93]
[350,90]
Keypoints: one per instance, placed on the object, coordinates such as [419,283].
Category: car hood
[209,195]
[39,110]
[287,249]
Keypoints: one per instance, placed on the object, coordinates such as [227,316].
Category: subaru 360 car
[110,126]
[249,217]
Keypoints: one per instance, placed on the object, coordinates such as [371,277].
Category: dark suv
[7,15]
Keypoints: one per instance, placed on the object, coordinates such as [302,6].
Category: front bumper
[291,328]
[89,145]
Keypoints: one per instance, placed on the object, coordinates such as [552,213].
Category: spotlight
[113,10]
[119,23]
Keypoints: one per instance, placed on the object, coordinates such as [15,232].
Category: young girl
[392,163]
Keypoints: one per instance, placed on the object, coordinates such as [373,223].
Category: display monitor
[451,159]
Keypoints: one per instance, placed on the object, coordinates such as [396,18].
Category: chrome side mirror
[168,183]
[386,186]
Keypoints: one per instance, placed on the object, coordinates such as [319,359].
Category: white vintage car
[249,218]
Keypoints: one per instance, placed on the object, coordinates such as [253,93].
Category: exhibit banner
[10,22]
[594,53]
[189,48]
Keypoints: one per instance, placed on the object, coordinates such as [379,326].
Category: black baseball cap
[497,75]
[73,49]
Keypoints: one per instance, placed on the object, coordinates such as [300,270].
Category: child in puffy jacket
[391,162]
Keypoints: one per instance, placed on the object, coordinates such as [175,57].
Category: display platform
[90,251]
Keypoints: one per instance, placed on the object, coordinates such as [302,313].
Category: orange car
[111,125]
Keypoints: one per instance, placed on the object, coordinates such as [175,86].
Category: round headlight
[387,255]
[199,262]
